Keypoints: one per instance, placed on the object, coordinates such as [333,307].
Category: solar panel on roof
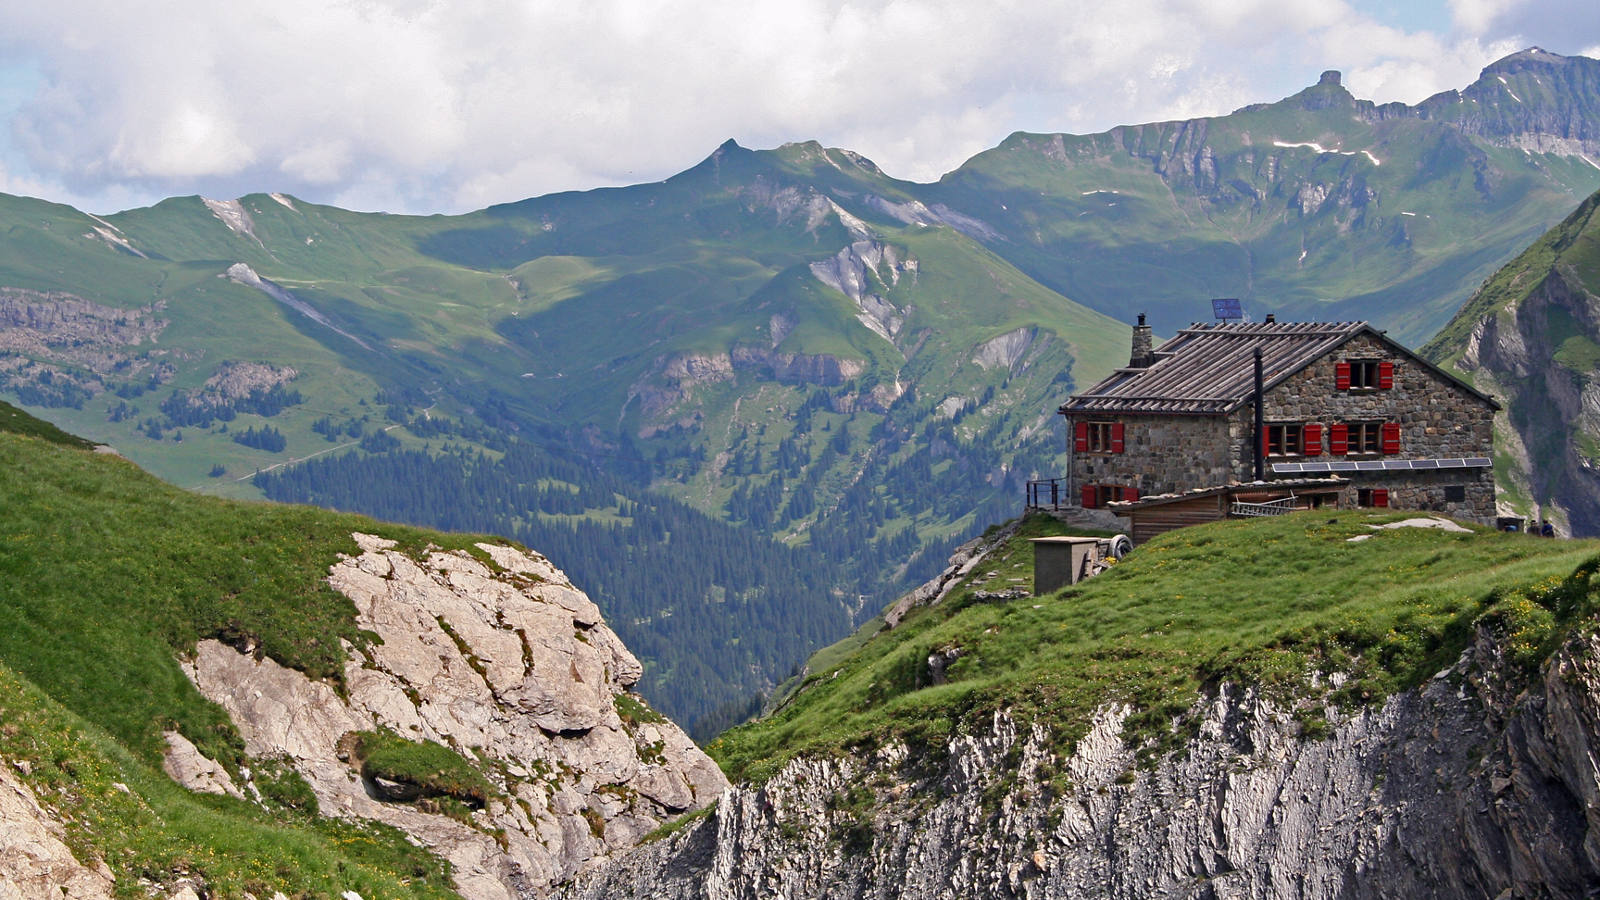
[1227,308]
[1383,465]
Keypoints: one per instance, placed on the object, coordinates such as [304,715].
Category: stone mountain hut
[1338,400]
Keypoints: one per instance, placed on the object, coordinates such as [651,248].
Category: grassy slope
[106,576]
[1573,245]
[1257,602]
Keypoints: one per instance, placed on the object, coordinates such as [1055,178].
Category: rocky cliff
[1482,783]
[1531,337]
[504,662]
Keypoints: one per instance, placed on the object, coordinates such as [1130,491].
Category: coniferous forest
[718,612]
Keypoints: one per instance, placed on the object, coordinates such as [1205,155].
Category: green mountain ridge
[818,355]
[1320,206]
[1531,334]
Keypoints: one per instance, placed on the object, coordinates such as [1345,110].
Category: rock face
[511,666]
[1476,785]
[186,765]
[1535,345]
[34,863]
[57,349]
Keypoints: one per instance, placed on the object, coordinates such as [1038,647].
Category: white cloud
[425,106]
[1475,16]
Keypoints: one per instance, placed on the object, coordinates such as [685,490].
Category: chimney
[1272,319]
[1143,356]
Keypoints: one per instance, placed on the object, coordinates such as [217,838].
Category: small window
[1100,437]
[1364,437]
[1455,493]
[1372,497]
[1363,374]
[1285,439]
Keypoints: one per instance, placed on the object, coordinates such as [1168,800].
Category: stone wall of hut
[1438,419]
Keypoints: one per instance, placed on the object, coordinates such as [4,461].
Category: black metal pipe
[1261,433]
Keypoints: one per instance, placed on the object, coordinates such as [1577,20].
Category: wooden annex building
[1198,423]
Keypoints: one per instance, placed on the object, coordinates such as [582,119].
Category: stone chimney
[1143,354]
[1272,319]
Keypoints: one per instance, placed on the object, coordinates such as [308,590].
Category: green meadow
[1270,602]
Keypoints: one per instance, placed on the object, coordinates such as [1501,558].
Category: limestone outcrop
[1481,783]
[35,864]
[1525,355]
[503,661]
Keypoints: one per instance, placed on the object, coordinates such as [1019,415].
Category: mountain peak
[1329,91]
[1522,59]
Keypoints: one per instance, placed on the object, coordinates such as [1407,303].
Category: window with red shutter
[1080,437]
[1341,376]
[1312,437]
[1380,497]
[1385,375]
[1391,438]
[1363,374]
[1130,494]
[1339,439]
[1285,439]
[1089,496]
[1101,437]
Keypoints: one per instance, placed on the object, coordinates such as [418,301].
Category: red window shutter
[1391,437]
[1080,437]
[1130,494]
[1380,496]
[1341,376]
[1339,439]
[1088,496]
[1385,375]
[1266,446]
[1116,437]
[1312,439]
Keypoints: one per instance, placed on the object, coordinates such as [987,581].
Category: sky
[428,106]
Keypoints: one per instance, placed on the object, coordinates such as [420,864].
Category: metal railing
[1047,493]
[1269,508]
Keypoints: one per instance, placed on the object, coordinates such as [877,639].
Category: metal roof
[1209,369]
